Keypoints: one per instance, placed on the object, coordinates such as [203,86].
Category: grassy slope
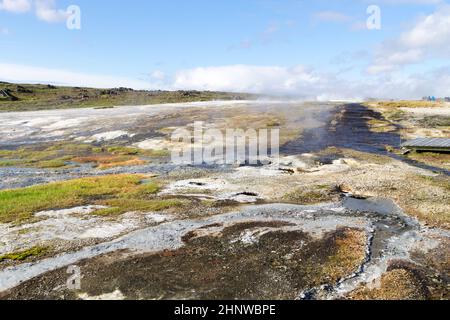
[44,97]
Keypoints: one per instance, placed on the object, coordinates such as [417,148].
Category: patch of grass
[155,153]
[45,157]
[56,163]
[435,121]
[10,163]
[72,148]
[350,254]
[27,230]
[19,204]
[121,206]
[24,255]
[429,202]
[28,154]
[439,181]
[60,155]
[144,191]
[110,161]
[391,111]
[308,195]
[394,115]
[410,104]
[339,254]
[139,199]
[123,151]
[397,284]
[120,193]
[129,151]
[441,160]
[128,163]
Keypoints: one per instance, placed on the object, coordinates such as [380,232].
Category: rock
[6,95]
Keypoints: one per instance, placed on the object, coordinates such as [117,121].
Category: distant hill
[30,97]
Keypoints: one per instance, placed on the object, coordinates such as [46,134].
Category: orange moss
[111,161]
[128,163]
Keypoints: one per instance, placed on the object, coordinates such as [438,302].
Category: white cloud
[399,85]
[46,11]
[245,78]
[16,6]
[307,83]
[429,38]
[297,81]
[4,31]
[24,74]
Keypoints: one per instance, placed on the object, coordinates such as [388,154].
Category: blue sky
[320,48]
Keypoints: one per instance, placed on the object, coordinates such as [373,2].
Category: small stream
[393,236]
[346,127]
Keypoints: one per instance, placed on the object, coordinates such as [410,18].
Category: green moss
[44,157]
[441,160]
[27,231]
[10,163]
[24,255]
[97,150]
[116,211]
[312,195]
[120,206]
[409,104]
[20,204]
[336,256]
[156,153]
[435,122]
[73,148]
[119,150]
[56,163]
[57,155]
[394,115]
[438,181]
[120,193]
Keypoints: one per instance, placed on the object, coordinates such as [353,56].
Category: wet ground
[261,243]
[346,127]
